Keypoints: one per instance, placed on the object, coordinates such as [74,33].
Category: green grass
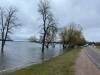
[61,65]
[98,47]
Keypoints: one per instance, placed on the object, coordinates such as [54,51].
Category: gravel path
[84,66]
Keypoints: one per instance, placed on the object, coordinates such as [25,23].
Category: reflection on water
[17,54]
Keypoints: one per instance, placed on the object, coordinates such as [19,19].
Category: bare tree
[8,22]
[51,31]
[48,22]
[32,39]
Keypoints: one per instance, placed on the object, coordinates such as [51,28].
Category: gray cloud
[84,12]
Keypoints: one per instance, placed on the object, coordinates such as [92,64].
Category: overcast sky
[84,12]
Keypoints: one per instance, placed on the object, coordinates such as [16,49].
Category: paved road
[94,55]
[84,66]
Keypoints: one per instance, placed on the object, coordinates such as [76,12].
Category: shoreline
[25,66]
[59,65]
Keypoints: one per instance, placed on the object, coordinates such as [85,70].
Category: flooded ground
[17,54]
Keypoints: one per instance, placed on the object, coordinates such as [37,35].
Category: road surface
[94,55]
[88,62]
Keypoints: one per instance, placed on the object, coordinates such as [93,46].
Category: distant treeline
[49,42]
[95,43]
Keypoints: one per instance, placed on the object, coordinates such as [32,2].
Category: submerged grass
[61,65]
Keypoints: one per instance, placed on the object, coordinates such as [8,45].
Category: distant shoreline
[29,41]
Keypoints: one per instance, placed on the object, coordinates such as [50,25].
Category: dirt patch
[84,66]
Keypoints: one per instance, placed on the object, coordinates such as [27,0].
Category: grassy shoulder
[98,47]
[61,65]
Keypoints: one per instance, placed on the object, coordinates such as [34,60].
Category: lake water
[18,54]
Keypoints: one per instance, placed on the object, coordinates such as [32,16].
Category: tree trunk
[43,42]
[2,47]
[43,46]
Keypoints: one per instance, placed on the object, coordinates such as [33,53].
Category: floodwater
[18,54]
